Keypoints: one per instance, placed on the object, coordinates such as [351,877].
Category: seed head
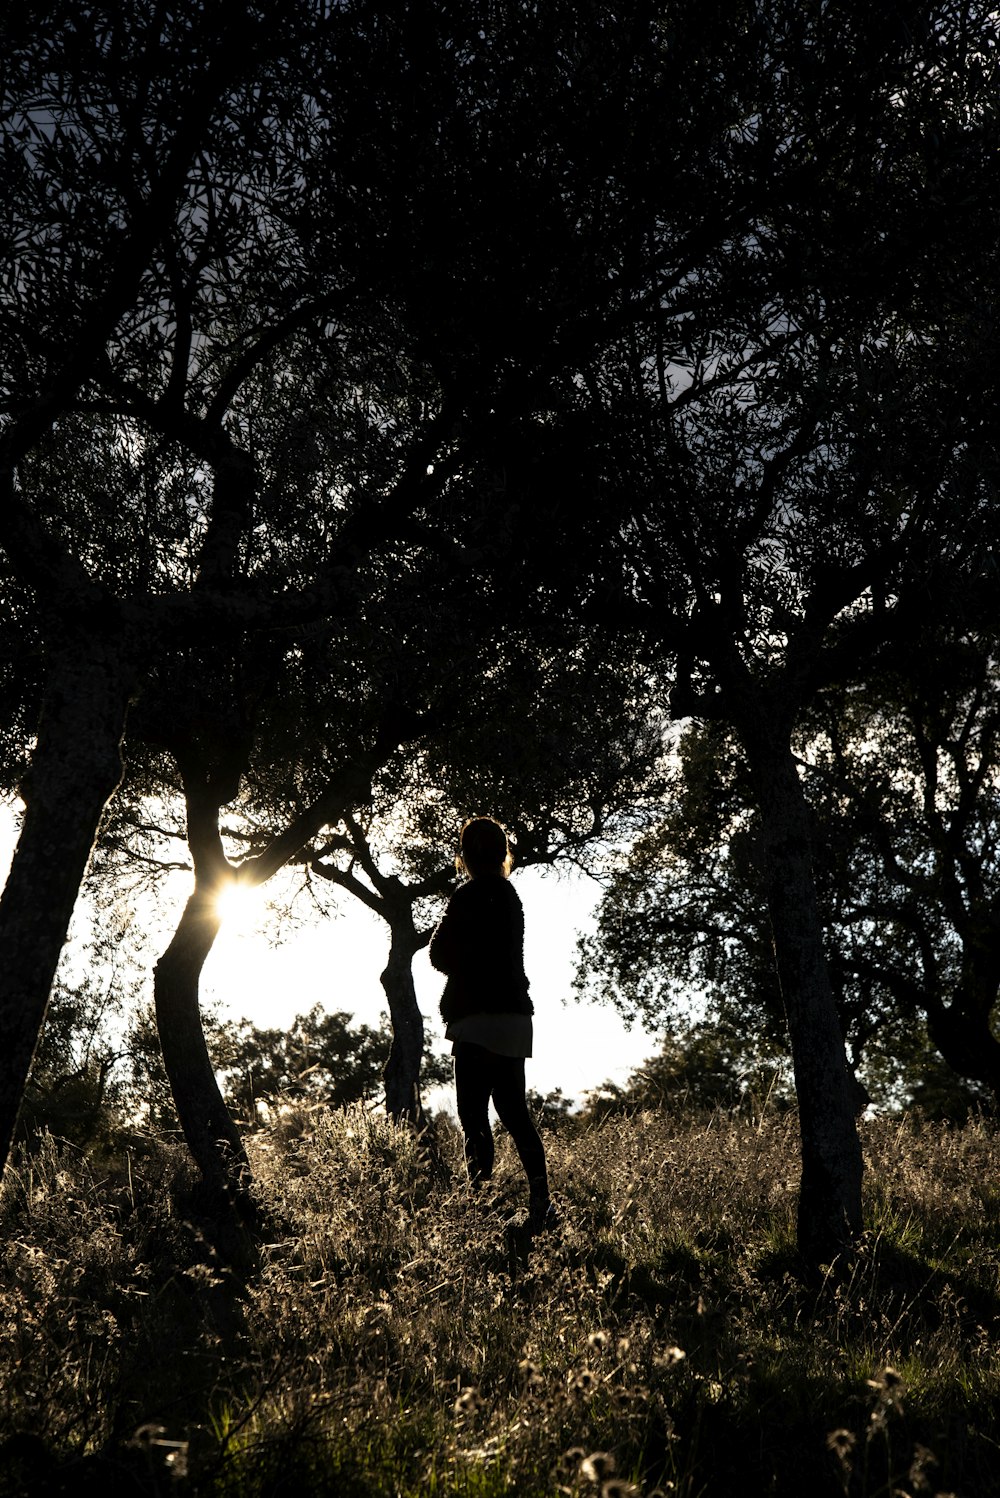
[842,1444]
[468,1401]
[584,1382]
[923,1458]
[598,1466]
[149,1434]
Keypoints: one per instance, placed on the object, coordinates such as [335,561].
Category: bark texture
[829,1212]
[75,769]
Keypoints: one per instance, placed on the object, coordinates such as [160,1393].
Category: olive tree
[790,450]
[273,317]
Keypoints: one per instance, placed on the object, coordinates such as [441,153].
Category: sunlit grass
[403,1338]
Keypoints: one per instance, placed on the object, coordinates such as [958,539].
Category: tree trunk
[75,769]
[210,781]
[829,1214]
[402,1070]
[211,1135]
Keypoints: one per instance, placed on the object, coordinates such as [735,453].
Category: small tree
[535,741]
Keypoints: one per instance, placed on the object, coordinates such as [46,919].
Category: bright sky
[336,962]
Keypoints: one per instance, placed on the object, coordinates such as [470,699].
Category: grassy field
[401,1339]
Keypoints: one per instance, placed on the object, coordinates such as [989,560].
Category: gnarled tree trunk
[829,1212]
[402,1069]
[211,779]
[75,769]
[393,900]
[211,1135]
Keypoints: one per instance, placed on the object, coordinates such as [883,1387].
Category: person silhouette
[479,946]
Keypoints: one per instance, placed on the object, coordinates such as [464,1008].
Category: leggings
[479,1075]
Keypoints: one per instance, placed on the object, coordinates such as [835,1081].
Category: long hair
[483,848]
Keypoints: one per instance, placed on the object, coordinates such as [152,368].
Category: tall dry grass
[404,1338]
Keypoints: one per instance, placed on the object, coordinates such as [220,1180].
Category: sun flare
[236,903]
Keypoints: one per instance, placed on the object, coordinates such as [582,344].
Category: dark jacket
[480,945]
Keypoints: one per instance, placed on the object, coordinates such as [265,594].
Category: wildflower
[669,1356]
[890,1388]
[618,1488]
[598,1340]
[572,1458]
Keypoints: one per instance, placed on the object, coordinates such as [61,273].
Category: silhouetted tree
[74,1089]
[274,288]
[899,772]
[320,1058]
[699,1069]
[682,316]
[121,182]
[790,453]
[534,740]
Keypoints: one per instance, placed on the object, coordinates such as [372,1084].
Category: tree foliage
[800,465]
[320,1058]
[684,317]
[260,377]
[700,1069]
[901,777]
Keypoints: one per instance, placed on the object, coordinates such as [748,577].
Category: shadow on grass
[788,1384]
[134,1312]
